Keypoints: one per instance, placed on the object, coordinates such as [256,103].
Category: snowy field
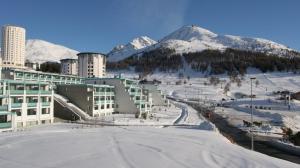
[70,146]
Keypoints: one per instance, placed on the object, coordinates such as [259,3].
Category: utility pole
[251,129]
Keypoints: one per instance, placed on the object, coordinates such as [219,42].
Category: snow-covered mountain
[194,38]
[122,51]
[41,51]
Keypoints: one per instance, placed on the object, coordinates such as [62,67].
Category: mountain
[42,51]
[193,39]
[122,51]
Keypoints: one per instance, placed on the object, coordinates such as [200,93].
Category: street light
[251,129]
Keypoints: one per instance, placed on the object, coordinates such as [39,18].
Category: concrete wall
[63,112]
[79,96]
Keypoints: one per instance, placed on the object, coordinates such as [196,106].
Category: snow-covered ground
[274,113]
[69,145]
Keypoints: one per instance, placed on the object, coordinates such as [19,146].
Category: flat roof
[40,72]
[96,53]
[85,84]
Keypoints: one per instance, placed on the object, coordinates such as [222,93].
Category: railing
[5,125]
[4,108]
[16,105]
[45,91]
[32,91]
[31,104]
[15,92]
[45,103]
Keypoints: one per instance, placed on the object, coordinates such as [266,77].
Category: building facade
[13,46]
[25,104]
[91,65]
[95,100]
[130,97]
[69,66]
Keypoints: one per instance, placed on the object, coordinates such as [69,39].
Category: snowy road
[128,147]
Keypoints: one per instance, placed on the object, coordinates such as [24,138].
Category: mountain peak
[190,33]
[122,51]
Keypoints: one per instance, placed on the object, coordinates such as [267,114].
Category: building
[25,103]
[26,75]
[130,97]
[69,66]
[13,46]
[95,100]
[91,65]
[31,65]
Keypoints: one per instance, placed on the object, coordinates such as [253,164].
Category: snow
[39,51]
[122,51]
[195,39]
[68,145]
[274,113]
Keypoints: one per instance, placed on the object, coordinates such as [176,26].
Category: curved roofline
[81,53]
[68,59]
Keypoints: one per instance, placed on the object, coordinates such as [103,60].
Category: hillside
[42,51]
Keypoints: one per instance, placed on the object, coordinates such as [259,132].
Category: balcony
[32,91]
[5,125]
[4,108]
[45,91]
[45,104]
[16,105]
[16,92]
[32,104]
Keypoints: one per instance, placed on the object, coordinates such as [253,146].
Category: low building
[158,98]
[31,102]
[26,75]
[32,65]
[130,97]
[69,66]
[95,100]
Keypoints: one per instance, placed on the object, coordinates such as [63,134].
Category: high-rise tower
[13,46]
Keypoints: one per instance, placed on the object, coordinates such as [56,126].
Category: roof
[68,59]
[94,53]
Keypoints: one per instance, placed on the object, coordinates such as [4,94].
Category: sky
[99,25]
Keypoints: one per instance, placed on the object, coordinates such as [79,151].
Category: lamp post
[251,129]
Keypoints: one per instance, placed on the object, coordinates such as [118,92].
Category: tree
[227,88]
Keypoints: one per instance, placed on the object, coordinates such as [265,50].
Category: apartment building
[26,103]
[91,64]
[69,66]
[130,97]
[13,46]
[95,100]
[26,75]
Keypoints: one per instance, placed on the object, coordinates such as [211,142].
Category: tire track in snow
[119,152]
[162,153]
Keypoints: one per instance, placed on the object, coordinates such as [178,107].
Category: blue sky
[99,25]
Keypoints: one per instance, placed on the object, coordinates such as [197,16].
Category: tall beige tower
[13,46]
[91,65]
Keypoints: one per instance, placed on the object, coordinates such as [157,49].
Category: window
[107,106]
[45,111]
[31,112]
[102,106]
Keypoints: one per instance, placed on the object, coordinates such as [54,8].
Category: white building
[13,46]
[69,66]
[91,65]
